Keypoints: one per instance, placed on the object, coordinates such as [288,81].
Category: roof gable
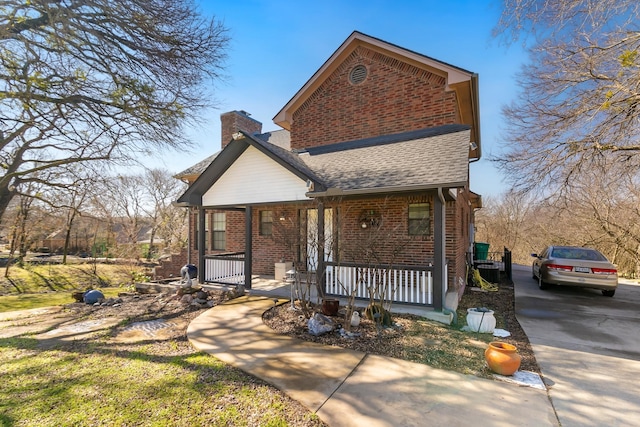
[227,158]
[455,78]
[255,178]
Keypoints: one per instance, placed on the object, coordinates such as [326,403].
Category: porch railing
[224,268]
[404,284]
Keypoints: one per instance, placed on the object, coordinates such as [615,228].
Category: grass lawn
[101,382]
[46,299]
[96,385]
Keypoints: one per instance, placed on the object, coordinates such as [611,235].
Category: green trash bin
[481,250]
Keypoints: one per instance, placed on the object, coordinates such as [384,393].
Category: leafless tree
[126,199]
[168,222]
[579,100]
[95,80]
[71,200]
[25,228]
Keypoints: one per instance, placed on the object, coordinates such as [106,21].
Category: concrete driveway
[588,348]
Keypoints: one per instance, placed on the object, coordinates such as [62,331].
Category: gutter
[335,192]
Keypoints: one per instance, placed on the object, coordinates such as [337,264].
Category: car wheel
[608,292]
[541,284]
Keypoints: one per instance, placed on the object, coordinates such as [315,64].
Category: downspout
[445,309]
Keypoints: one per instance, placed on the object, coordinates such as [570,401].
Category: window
[219,231]
[419,223]
[266,223]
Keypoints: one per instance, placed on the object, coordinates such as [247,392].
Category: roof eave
[338,192]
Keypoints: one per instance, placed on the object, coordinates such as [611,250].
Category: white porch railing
[224,268]
[405,284]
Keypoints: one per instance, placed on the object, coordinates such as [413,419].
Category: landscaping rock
[93,297]
[320,324]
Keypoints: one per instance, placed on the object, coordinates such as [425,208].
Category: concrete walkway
[349,388]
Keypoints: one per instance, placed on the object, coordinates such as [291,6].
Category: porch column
[439,261]
[320,268]
[201,244]
[248,245]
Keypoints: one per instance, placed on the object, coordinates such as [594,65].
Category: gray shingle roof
[280,138]
[428,158]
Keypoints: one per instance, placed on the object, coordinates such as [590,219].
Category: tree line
[115,216]
[571,149]
[598,213]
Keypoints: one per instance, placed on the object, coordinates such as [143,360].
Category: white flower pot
[481,321]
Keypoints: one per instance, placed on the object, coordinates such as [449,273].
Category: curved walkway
[349,388]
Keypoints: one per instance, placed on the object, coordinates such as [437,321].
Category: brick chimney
[234,121]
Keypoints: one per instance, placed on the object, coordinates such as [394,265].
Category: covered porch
[322,221]
[265,285]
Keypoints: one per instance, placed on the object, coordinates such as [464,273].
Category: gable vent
[358,74]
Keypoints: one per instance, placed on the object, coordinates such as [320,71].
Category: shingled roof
[280,138]
[427,158]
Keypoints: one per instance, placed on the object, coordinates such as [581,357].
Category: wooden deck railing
[224,268]
[404,284]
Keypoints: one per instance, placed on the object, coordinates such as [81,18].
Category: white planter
[481,321]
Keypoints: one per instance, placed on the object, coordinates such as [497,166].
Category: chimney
[235,121]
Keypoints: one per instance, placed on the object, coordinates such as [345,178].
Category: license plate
[582,269]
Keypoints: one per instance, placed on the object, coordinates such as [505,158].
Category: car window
[578,253]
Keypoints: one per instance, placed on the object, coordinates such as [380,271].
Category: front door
[312,237]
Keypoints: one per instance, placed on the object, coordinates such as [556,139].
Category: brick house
[367,181]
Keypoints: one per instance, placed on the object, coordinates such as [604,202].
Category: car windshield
[578,253]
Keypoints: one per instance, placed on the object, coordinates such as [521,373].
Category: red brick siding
[171,266]
[388,243]
[235,233]
[395,97]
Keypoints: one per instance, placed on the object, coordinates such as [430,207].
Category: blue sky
[277,45]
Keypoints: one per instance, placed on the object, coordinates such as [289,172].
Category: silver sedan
[575,266]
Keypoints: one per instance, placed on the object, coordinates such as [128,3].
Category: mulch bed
[395,341]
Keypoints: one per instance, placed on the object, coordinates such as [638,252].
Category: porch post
[439,262]
[201,244]
[320,267]
[248,244]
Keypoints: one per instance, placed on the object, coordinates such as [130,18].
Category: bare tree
[126,199]
[97,80]
[71,200]
[509,221]
[579,103]
[168,222]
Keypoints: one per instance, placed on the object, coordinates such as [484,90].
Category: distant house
[368,180]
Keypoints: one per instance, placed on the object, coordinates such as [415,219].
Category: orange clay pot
[502,358]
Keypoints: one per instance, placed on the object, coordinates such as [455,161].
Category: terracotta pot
[502,358]
[330,306]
